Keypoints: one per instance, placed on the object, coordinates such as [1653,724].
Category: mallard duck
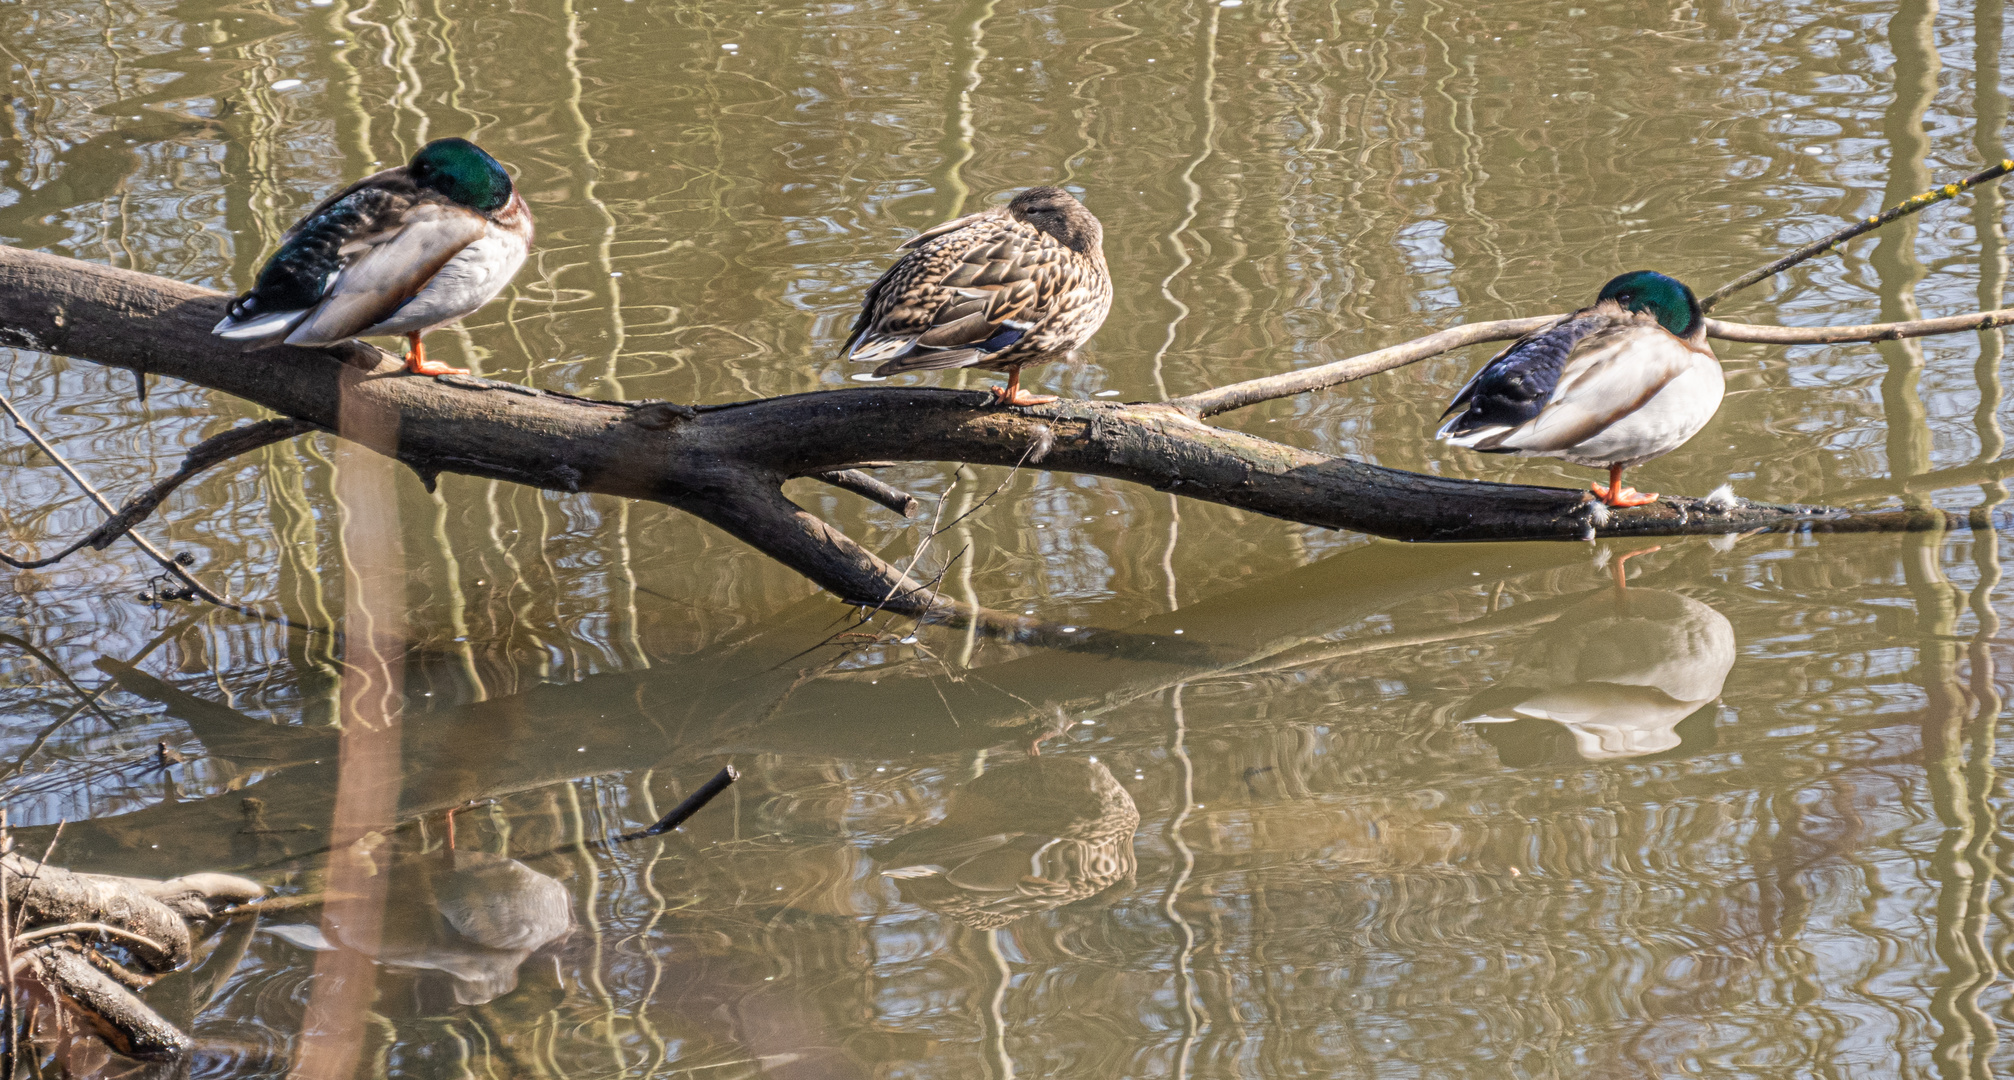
[1000,289]
[399,252]
[1613,385]
[1022,838]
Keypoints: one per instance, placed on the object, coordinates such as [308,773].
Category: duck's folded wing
[1515,384]
[1608,377]
[311,255]
[958,307]
[385,269]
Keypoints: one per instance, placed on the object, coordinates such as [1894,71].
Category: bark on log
[106,1007]
[726,463]
[43,895]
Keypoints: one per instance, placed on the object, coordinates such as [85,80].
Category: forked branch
[726,463]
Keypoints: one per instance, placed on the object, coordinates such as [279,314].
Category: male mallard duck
[1000,289]
[399,252]
[1613,385]
[1025,837]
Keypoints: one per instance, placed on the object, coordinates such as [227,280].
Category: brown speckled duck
[1001,289]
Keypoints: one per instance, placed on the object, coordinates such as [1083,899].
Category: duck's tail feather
[1485,437]
[931,361]
[259,327]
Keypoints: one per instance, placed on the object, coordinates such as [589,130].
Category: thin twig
[209,452]
[690,805]
[1829,335]
[1252,391]
[167,562]
[28,890]
[214,450]
[1906,207]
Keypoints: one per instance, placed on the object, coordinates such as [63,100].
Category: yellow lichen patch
[1950,190]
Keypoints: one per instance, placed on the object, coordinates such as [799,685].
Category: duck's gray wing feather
[387,268]
[1611,374]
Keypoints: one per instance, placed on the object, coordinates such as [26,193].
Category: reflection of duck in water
[471,915]
[1023,838]
[1618,671]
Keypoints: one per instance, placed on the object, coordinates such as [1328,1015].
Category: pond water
[1765,834]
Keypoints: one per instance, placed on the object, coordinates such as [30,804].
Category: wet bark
[726,463]
[89,942]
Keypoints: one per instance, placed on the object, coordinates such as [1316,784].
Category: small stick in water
[692,805]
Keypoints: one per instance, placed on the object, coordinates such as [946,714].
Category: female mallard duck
[399,252]
[1613,385]
[1001,289]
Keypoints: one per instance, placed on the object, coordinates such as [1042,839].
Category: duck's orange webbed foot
[1012,394]
[1018,396]
[1618,495]
[418,364]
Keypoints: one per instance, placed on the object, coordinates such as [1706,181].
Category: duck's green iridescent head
[1648,291]
[462,171]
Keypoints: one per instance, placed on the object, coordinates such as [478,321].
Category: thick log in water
[726,463]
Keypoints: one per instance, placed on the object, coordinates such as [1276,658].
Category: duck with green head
[401,251]
[1612,386]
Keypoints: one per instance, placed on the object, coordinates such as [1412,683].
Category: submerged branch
[61,922]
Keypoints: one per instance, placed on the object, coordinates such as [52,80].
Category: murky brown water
[1780,851]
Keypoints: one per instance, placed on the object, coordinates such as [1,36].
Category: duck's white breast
[1661,424]
[471,279]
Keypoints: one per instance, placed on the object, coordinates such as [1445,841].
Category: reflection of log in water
[1021,839]
[1618,671]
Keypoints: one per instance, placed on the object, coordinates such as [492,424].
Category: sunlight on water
[1327,807]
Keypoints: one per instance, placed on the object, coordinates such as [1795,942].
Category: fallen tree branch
[726,463]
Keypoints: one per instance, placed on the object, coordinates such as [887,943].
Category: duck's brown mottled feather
[988,290]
